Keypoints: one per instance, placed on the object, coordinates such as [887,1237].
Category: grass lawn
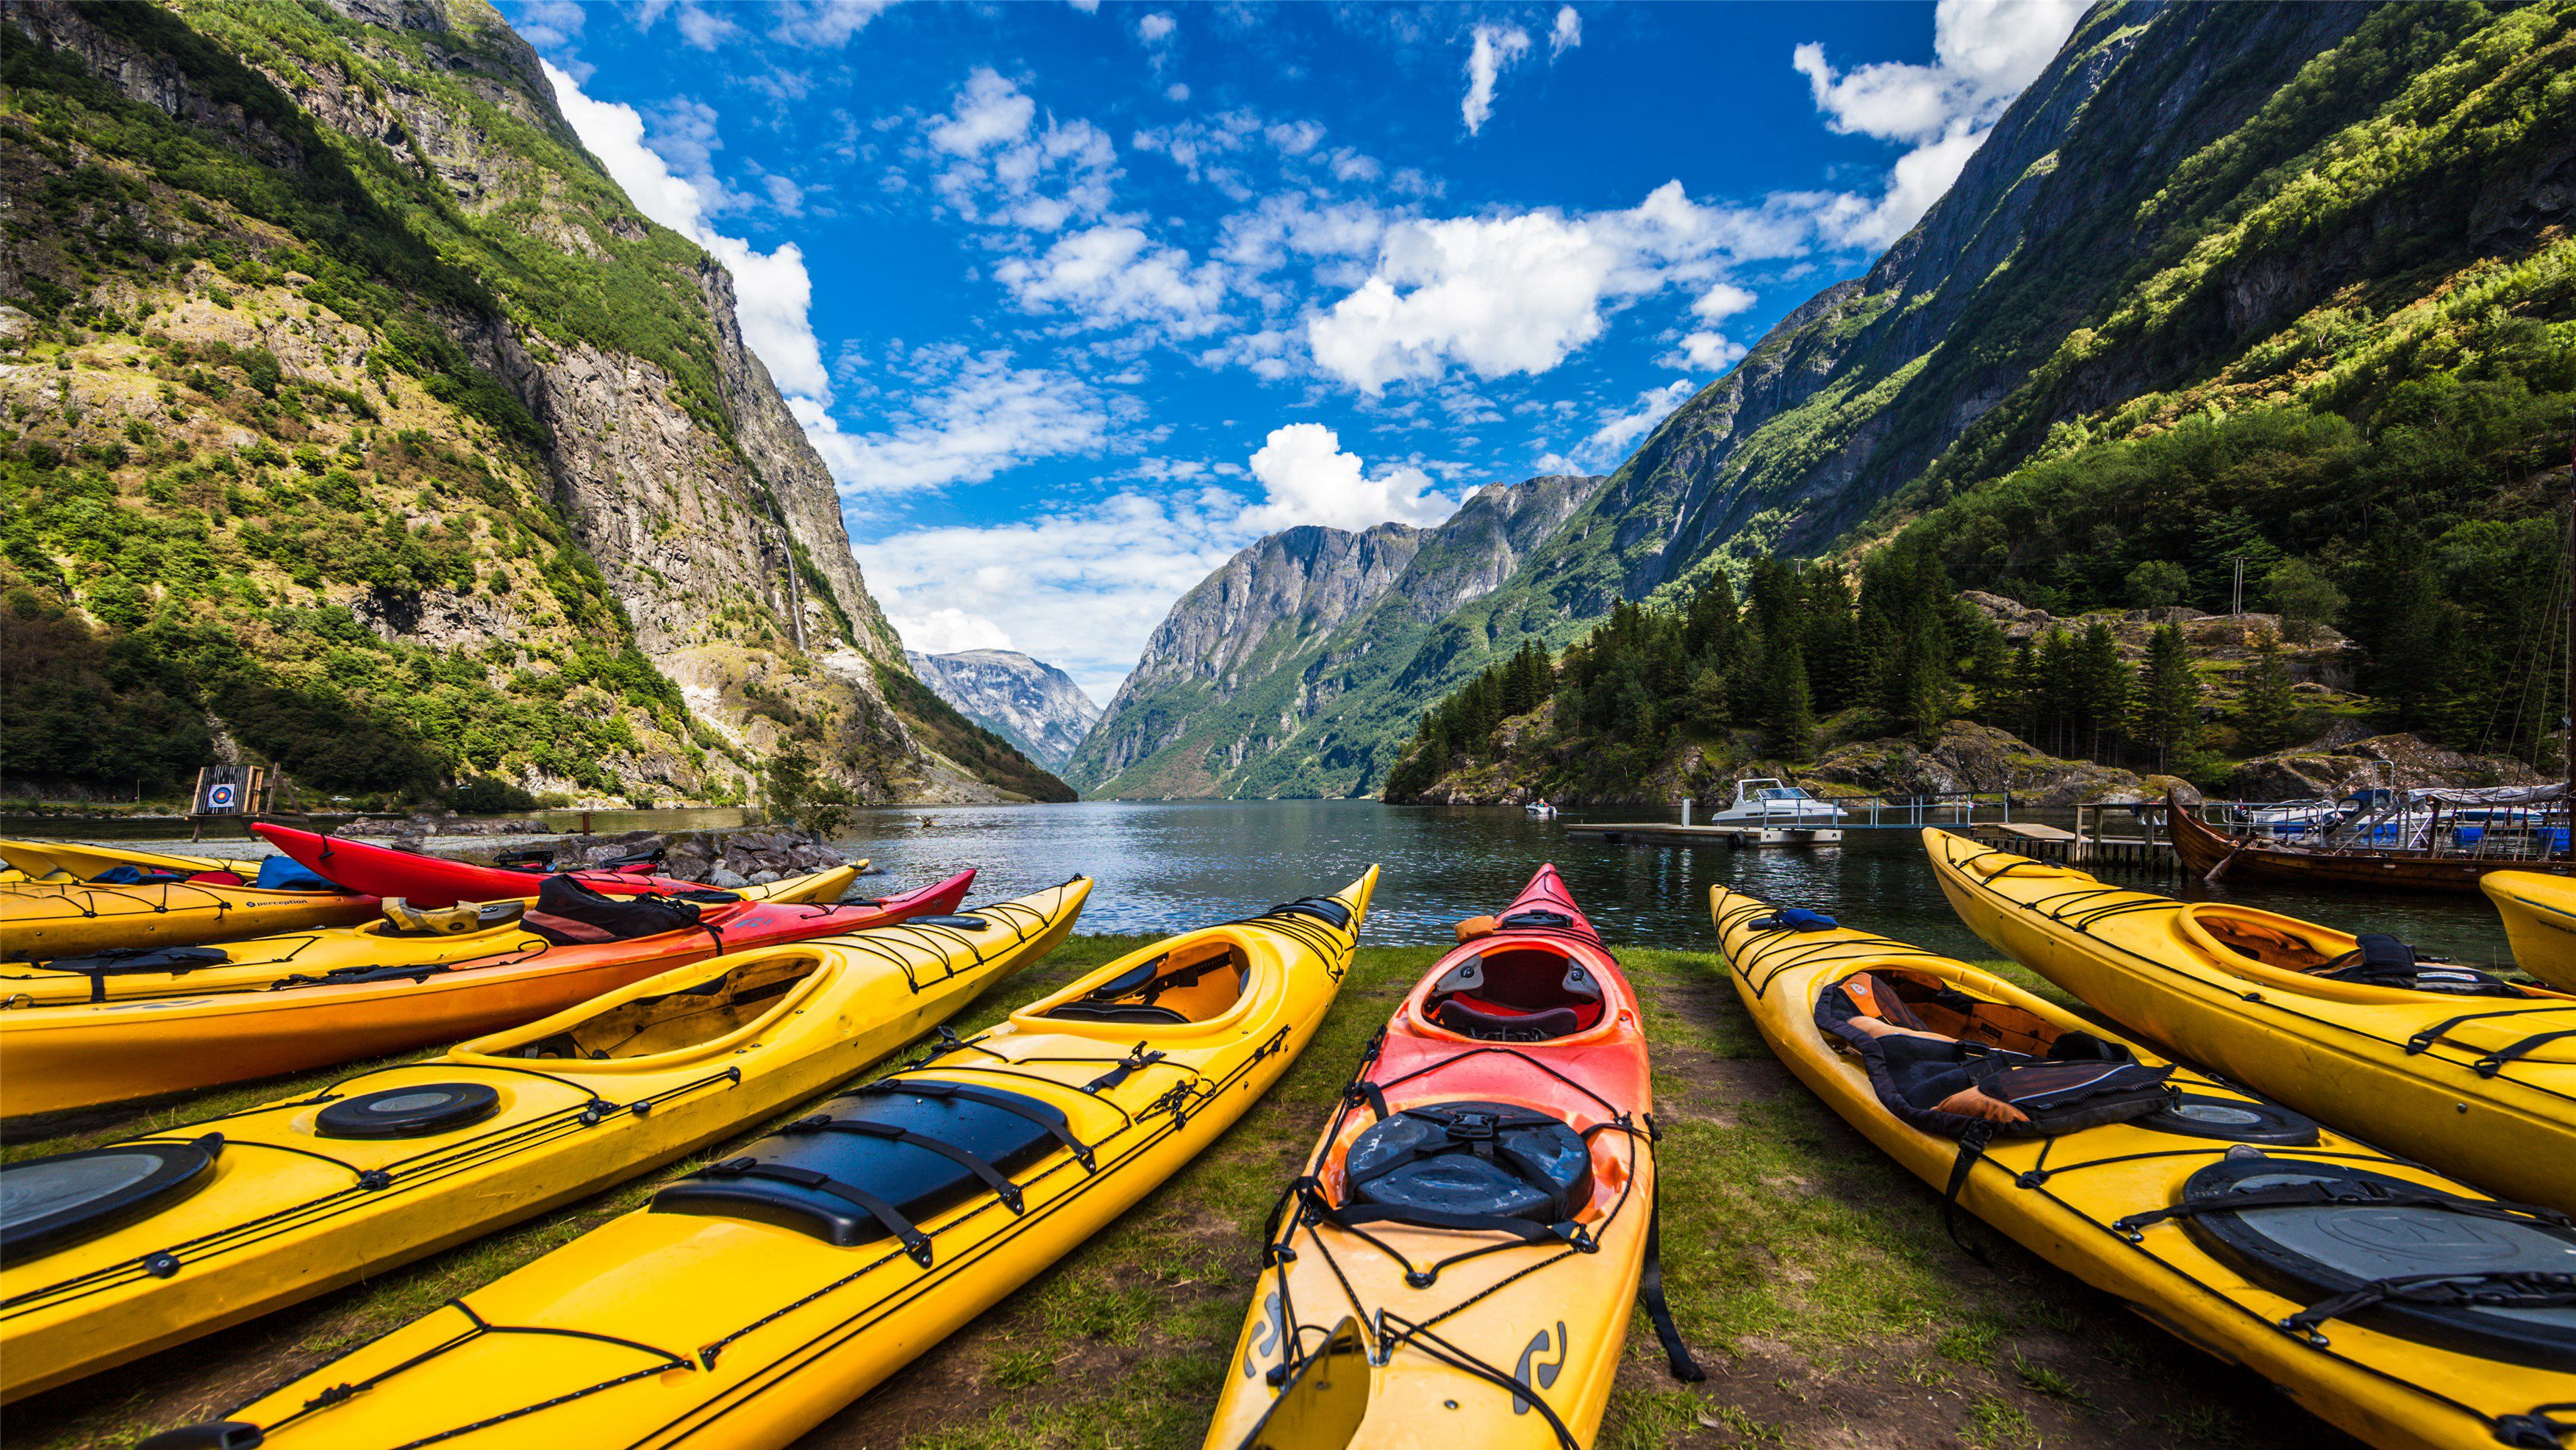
[1809,1272]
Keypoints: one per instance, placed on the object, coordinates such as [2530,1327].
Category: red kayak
[1490,1172]
[438,881]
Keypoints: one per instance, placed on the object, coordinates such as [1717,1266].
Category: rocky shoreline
[726,860]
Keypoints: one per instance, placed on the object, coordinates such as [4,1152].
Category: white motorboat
[1539,810]
[1777,805]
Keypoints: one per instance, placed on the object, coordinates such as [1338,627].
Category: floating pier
[1662,833]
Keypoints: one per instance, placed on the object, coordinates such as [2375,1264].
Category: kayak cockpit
[1195,983]
[1515,991]
[2287,952]
[642,1022]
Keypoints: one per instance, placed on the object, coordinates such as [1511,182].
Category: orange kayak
[1456,1265]
[82,1055]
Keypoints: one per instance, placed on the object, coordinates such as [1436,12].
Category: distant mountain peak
[1026,701]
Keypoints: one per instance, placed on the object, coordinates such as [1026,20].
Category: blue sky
[1075,300]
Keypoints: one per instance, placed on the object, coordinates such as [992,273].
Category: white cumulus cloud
[1566,34]
[1621,430]
[772,293]
[1984,53]
[1493,51]
[988,416]
[1115,276]
[1499,295]
[1310,480]
[948,631]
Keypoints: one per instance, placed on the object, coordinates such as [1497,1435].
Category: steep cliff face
[288,256]
[2188,192]
[1280,673]
[1028,702]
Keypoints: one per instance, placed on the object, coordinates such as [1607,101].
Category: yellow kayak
[272,1205]
[2539,920]
[2254,1286]
[41,919]
[757,1296]
[73,861]
[2476,1077]
[84,1054]
[269,963]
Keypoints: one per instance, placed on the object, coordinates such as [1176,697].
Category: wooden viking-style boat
[2212,854]
[2368,860]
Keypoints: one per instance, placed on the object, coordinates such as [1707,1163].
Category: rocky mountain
[1296,668]
[359,424]
[2225,283]
[1030,703]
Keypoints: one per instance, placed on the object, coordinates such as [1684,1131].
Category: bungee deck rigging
[2479,1085]
[2169,1210]
[301,1206]
[1459,1253]
[780,1295]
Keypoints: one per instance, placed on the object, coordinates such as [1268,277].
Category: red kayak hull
[435,880]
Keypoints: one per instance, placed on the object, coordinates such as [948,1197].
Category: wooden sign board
[227,790]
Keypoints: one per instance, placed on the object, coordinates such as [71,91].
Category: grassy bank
[1809,1271]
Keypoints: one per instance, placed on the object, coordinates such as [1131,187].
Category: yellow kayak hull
[81,1055]
[2339,1052]
[74,861]
[671,1328]
[259,964]
[2539,913]
[2396,1393]
[41,919]
[278,1224]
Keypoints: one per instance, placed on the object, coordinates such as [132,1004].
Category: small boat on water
[2436,851]
[1539,811]
[1768,802]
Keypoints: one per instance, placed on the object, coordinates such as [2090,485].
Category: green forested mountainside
[337,397]
[2256,281]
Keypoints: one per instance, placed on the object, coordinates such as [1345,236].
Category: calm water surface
[1163,866]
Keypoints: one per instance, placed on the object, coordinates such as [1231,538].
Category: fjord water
[1163,866]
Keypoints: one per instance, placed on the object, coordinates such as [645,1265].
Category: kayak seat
[674,1021]
[1483,1021]
[1516,994]
[2379,960]
[1442,1165]
[569,913]
[915,1153]
[1192,985]
[1944,1062]
[1117,1012]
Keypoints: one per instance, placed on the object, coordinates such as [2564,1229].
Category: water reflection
[1167,865]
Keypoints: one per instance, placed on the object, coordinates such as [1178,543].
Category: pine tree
[2166,714]
[1707,708]
[2267,711]
[2100,686]
[1709,629]
[1792,719]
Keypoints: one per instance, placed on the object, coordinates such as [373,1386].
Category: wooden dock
[2091,843]
[1664,833]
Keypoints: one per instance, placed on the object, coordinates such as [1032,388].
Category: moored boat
[2210,853]
[2406,1308]
[242,1214]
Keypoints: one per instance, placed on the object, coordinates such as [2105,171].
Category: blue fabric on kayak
[1796,918]
[285,873]
[123,874]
